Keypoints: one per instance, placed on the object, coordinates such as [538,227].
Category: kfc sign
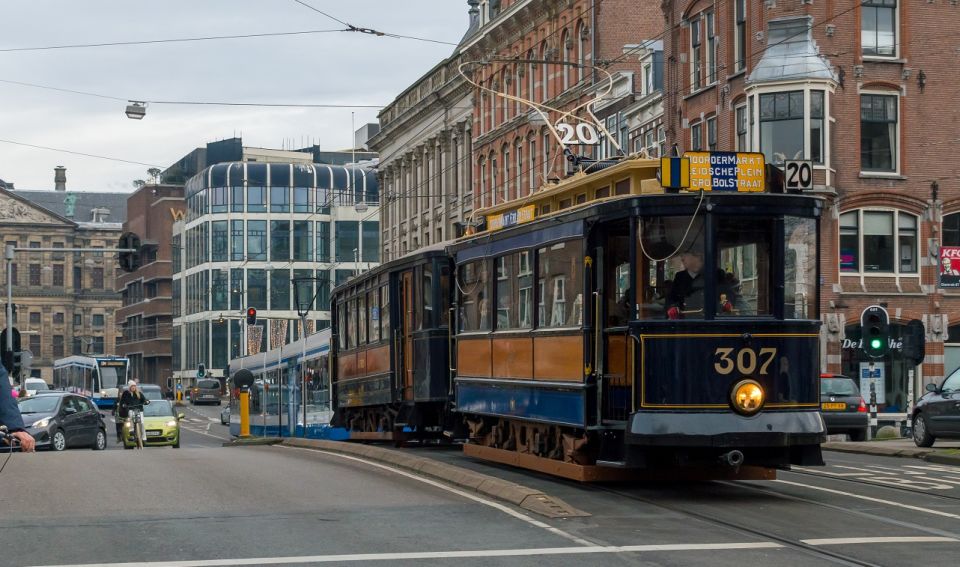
[950,266]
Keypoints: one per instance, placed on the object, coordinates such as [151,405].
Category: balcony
[152,308]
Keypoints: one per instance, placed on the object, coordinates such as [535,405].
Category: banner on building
[950,266]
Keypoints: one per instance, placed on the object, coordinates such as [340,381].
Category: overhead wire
[170,40]
[16,143]
[371,31]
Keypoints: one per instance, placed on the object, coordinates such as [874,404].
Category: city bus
[100,377]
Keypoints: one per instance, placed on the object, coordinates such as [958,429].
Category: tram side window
[473,297]
[426,321]
[352,324]
[671,259]
[743,267]
[362,319]
[560,284]
[800,268]
[514,291]
[444,296]
[385,311]
[373,315]
[342,324]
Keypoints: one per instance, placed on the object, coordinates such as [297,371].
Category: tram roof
[411,258]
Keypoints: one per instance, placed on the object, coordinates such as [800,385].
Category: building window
[712,134]
[370,232]
[280,241]
[711,51]
[256,240]
[34,274]
[323,241]
[77,345]
[302,241]
[878,34]
[279,199]
[58,346]
[218,199]
[236,199]
[740,34]
[34,318]
[505,196]
[696,137]
[35,346]
[58,318]
[257,289]
[878,242]
[783,125]
[236,241]
[219,241]
[77,278]
[280,290]
[256,199]
[98,319]
[97,277]
[97,347]
[647,79]
[348,240]
[740,116]
[78,319]
[532,169]
[696,53]
[878,132]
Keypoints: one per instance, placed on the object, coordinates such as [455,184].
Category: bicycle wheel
[139,430]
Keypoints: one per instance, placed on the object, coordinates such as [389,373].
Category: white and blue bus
[98,376]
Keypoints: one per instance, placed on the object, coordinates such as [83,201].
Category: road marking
[894,539]
[440,555]
[495,505]
[871,499]
[191,430]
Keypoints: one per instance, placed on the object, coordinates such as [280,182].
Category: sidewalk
[942,452]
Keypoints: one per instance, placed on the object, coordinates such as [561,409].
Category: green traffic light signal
[875,343]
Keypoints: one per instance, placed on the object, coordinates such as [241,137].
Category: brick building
[146,315]
[545,51]
[855,87]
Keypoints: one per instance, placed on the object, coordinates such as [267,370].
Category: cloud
[321,68]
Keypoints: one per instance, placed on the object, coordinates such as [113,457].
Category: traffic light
[7,356]
[17,364]
[875,328]
[251,315]
[129,261]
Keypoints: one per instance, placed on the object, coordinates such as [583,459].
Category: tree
[138,183]
[154,174]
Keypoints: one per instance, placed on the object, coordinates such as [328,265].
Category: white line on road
[505,509]
[894,539]
[440,555]
[191,430]
[871,499]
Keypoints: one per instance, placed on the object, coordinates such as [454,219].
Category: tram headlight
[747,397]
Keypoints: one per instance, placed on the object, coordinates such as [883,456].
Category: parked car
[151,391]
[225,415]
[842,407]
[34,385]
[206,391]
[161,425]
[58,420]
[937,413]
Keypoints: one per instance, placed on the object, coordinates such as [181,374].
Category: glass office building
[251,234]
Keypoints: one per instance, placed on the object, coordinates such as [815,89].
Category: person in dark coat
[686,292]
[10,414]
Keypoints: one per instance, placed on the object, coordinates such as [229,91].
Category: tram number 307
[745,360]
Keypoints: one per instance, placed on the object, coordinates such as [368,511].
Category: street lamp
[136,110]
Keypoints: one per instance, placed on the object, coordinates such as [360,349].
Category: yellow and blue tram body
[602,322]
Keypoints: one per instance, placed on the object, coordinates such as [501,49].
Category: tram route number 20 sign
[727,171]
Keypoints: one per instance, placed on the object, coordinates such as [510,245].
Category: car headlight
[42,423]
[747,397]
[172,423]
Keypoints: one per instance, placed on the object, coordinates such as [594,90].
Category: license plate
[834,406]
[153,433]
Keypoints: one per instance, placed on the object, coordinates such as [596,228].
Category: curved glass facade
[252,228]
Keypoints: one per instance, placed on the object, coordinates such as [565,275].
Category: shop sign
[950,266]
[873,374]
[727,171]
[857,344]
[511,218]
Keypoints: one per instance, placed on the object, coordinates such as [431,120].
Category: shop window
[878,242]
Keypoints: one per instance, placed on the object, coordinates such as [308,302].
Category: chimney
[60,178]
[474,12]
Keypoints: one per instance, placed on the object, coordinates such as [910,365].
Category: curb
[253,441]
[930,455]
[527,498]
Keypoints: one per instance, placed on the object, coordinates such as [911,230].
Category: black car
[58,420]
[937,413]
[842,407]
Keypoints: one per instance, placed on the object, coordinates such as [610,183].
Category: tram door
[615,310]
[406,332]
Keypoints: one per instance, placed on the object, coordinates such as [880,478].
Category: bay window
[878,242]
[792,125]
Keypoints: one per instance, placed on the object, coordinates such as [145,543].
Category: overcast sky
[339,68]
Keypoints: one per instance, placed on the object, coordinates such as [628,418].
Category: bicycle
[135,419]
[9,440]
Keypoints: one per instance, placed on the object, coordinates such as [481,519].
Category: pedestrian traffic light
[875,329]
[251,315]
[130,258]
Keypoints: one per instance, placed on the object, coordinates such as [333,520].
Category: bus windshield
[112,374]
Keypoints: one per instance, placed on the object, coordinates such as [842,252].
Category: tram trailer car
[587,337]
[391,335]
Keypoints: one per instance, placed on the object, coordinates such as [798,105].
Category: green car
[162,426]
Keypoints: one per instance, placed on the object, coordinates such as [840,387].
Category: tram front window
[800,269]
[743,267]
[671,256]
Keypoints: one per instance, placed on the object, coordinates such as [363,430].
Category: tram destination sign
[511,218]
[743,172]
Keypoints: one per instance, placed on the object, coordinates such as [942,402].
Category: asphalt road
[209,505]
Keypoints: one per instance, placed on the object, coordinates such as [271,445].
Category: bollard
[873,411]
[244,413]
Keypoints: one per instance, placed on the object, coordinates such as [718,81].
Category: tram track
[817,552]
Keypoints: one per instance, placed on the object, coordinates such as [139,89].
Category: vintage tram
[603,324]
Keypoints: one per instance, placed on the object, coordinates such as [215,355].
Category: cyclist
[10,414]
[132,399]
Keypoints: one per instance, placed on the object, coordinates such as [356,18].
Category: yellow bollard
[244,413]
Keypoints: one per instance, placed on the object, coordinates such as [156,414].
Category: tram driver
[687,290]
